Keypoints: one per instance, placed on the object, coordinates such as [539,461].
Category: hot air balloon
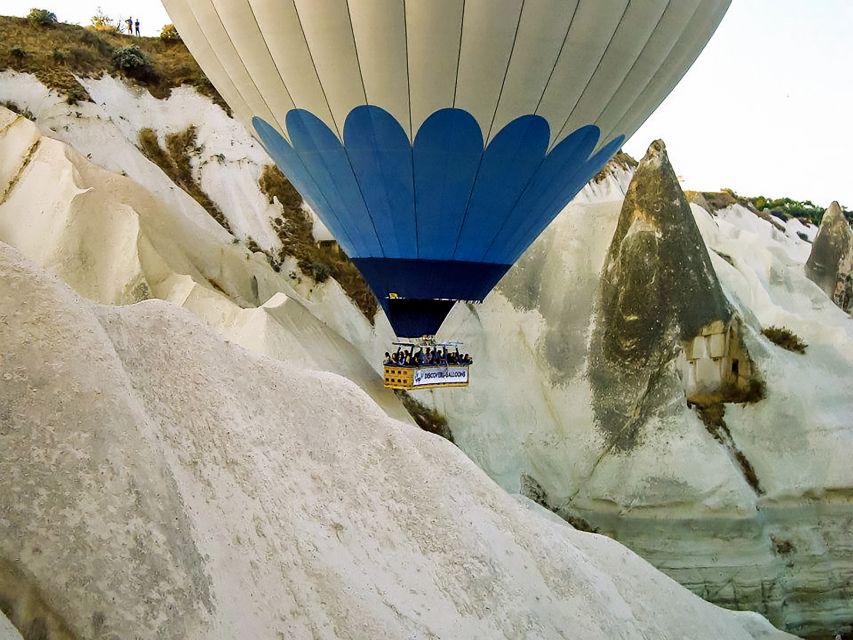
[436,139]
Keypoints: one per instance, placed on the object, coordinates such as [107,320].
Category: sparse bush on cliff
[175,161]
[21,111]
[102,22]
[169,33]
[426,417]
[320,271]
[87,52]
[42,17]
[784,208]
[129,58]
[785,338]
[319,262]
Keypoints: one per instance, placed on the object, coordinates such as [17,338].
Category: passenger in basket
[388,359]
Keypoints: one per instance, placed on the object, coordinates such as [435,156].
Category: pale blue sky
[768,107]
[766,110]
[152,16]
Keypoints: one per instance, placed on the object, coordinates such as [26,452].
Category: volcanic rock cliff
[678,494]
[159,482]
[659,298]
[743,496]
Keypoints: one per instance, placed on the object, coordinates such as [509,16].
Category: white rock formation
[679,498]
[115,242]
[7,629]
[159,482]
[830,264]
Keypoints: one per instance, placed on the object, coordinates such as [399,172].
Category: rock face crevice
[713,416]
[830,264]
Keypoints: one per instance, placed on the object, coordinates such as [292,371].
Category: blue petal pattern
[444,197]
[443,215]
[447,153]
[509,164]
[381,157]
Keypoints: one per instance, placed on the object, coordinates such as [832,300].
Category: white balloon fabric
[436,139]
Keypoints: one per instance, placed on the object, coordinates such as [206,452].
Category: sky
[766,110]
[152,16]
[768,107]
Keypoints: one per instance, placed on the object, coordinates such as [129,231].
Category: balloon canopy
[436,139]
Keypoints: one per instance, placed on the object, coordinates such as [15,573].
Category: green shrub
[129,58]
[169,33]
[319,271]
[17,52]
[785,338]
[42,17]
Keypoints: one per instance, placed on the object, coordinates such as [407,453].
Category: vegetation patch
[129,58]
[721,199]
[787,208]
[21,111]
[621,160]
[42,18]
[785,338]
[319,262]
[169,33]
[24,164]
[783,208]
[60,54]
[756,391]
[426,417]
[175,161]
[579,523]
[782,547]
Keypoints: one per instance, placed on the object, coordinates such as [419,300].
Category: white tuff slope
[680,500]
[116,242]
[174,485]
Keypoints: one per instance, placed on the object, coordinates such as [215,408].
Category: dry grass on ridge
[56,54]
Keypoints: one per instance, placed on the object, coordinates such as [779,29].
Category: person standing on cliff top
[129,23]
[137,26]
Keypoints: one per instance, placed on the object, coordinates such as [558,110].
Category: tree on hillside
[169,33]
[42,17]
[102,22]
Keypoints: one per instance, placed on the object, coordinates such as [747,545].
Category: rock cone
[830,264]
[658,291]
